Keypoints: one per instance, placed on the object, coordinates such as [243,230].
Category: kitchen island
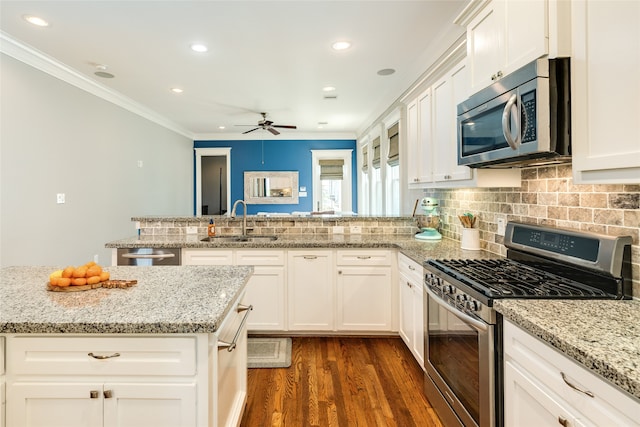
[153,354]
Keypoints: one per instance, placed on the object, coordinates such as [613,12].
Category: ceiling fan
[268,125]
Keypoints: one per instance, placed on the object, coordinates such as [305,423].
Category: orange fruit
[93,280]
[104,276]
[54,280]
[94,270]
[64,281]
[68,272]
[90,264]
[80,272]
[78,281]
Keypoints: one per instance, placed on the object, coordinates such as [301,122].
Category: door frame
[199,153]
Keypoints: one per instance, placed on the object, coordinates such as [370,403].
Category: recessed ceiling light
[176,90]
[35,20]
[101,71]
[200,48]
[328,89]
[221,127]
[341,45]
[386,72]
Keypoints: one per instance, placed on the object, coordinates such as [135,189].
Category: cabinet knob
[339,271]
[409,284]
[563,421]
[493,77]
[108,394]
[93,394]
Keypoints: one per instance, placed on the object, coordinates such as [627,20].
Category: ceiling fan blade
[250,130]
[285,126]
[273,131]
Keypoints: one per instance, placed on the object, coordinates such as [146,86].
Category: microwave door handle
[506,122]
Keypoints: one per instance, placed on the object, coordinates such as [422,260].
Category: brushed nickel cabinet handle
[563,421]
[97,356]
[566,381]
[310,257]
[230,346]
[364,257]
[108,394]
[93,394]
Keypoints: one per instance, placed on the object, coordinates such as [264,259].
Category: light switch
[60,198]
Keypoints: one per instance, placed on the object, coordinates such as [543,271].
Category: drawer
[63,355]
[207,257]
[363,257]
[1,355]
[410,268]
[260,257]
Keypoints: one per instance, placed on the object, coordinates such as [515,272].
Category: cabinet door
[425,138]
[407,324]
[485,46]
[207,257]
[265,291]
[525,24]
[152,405]
[418,323]
[413,160]
[528,405]
[364,298]
[37,404]
[311,290]
[605,108]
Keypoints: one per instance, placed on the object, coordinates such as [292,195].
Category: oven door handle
[478,324]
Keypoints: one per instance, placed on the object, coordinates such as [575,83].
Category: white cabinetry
[411,306]
[505,35]
[605,108]
[266,288]
[311,290]
[141,381]
[542,387]
[364,289]
[432,136]
[2,383]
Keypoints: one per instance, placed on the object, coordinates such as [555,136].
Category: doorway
[212,181]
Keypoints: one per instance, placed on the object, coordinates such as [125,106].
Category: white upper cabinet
[508,34]
[605,90]
[419,137]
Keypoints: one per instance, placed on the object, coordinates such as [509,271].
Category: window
[393,171]
[376,179]
[364,180]
[332,180]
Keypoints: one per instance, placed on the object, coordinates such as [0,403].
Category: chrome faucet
[244,215]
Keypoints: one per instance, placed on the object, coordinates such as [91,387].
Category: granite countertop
[604,336]
[418,250]
[167,299]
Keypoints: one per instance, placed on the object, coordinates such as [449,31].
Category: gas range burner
[505,278]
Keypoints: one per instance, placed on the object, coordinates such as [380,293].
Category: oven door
[459,361]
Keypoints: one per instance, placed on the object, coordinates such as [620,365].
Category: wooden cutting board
[106,284]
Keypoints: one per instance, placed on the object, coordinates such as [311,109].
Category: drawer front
[207,257]
[1,355]
[363,257]
[260,257]
[61,355]
[410,268]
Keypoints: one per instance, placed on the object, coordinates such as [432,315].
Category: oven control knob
[461,298]
[449,289]
[472,305]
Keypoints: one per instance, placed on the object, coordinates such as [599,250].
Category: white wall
[56,138]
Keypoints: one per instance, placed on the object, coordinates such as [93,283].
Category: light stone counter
[417,250]
[189,299]
[604,336]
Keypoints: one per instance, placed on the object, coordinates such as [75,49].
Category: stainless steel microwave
[524,119]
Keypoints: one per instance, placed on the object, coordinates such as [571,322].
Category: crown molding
[42,62]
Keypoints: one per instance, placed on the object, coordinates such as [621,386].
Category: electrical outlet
[96,259]
[337,229]
[60,198]
[501,226]
[355,229]
[192,229]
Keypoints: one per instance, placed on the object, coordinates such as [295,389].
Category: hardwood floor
[339,381]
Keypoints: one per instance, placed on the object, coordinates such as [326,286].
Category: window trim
[347,181]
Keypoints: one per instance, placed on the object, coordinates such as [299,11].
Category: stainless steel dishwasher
[148,256]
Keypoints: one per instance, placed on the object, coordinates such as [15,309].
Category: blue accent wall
[279,155]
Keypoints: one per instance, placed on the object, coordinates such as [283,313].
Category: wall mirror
[271,188]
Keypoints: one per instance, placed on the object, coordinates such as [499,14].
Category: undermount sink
[248,239]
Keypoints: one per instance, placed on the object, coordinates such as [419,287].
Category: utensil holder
[470,239]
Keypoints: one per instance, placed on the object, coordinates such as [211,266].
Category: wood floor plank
[340,382]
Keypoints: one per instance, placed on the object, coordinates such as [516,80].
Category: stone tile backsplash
[547,196]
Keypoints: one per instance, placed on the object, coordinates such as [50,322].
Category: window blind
[365,159]
[376,153]
[331,169]
[393,159]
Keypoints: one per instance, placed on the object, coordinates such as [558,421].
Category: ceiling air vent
[331,97]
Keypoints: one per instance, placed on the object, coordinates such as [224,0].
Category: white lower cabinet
[128,380]
[364,288]
[543,387]
[311,290]
[411,325]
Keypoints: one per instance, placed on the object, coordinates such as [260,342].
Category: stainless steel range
[463,333]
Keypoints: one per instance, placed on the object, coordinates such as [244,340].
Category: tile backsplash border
[547,196]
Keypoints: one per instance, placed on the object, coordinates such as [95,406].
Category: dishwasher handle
[148,256]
